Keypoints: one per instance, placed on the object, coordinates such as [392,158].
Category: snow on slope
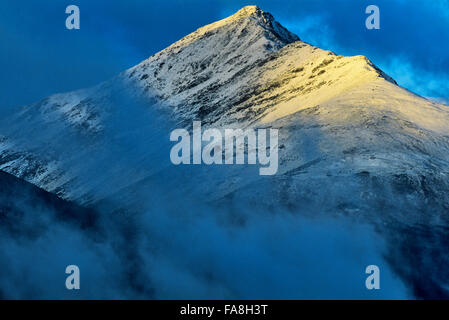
[245,70]
[89,113]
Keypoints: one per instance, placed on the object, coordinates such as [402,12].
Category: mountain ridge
[234,72]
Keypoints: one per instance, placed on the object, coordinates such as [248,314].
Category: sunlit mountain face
[361,178]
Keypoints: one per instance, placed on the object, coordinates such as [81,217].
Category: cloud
[270,257]
[166,254]
[425,83]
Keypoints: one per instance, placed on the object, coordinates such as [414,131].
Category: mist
[194,253]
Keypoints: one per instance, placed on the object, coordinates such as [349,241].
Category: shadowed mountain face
[20,200]
[29,217]
[353,144]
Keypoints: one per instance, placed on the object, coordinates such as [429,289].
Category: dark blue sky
[39,56]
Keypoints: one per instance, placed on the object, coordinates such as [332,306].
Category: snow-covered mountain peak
[255,14]
[242,71]
[250,11]
[264,19]
[249,24]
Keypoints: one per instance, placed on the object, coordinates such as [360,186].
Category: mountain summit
[249,20]
[250,11]
[258,66]
[263,19]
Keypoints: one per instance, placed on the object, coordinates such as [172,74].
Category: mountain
[352,142]
[20,199]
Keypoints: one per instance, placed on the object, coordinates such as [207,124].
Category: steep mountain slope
[244,70]
[351,141]
[24,209]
